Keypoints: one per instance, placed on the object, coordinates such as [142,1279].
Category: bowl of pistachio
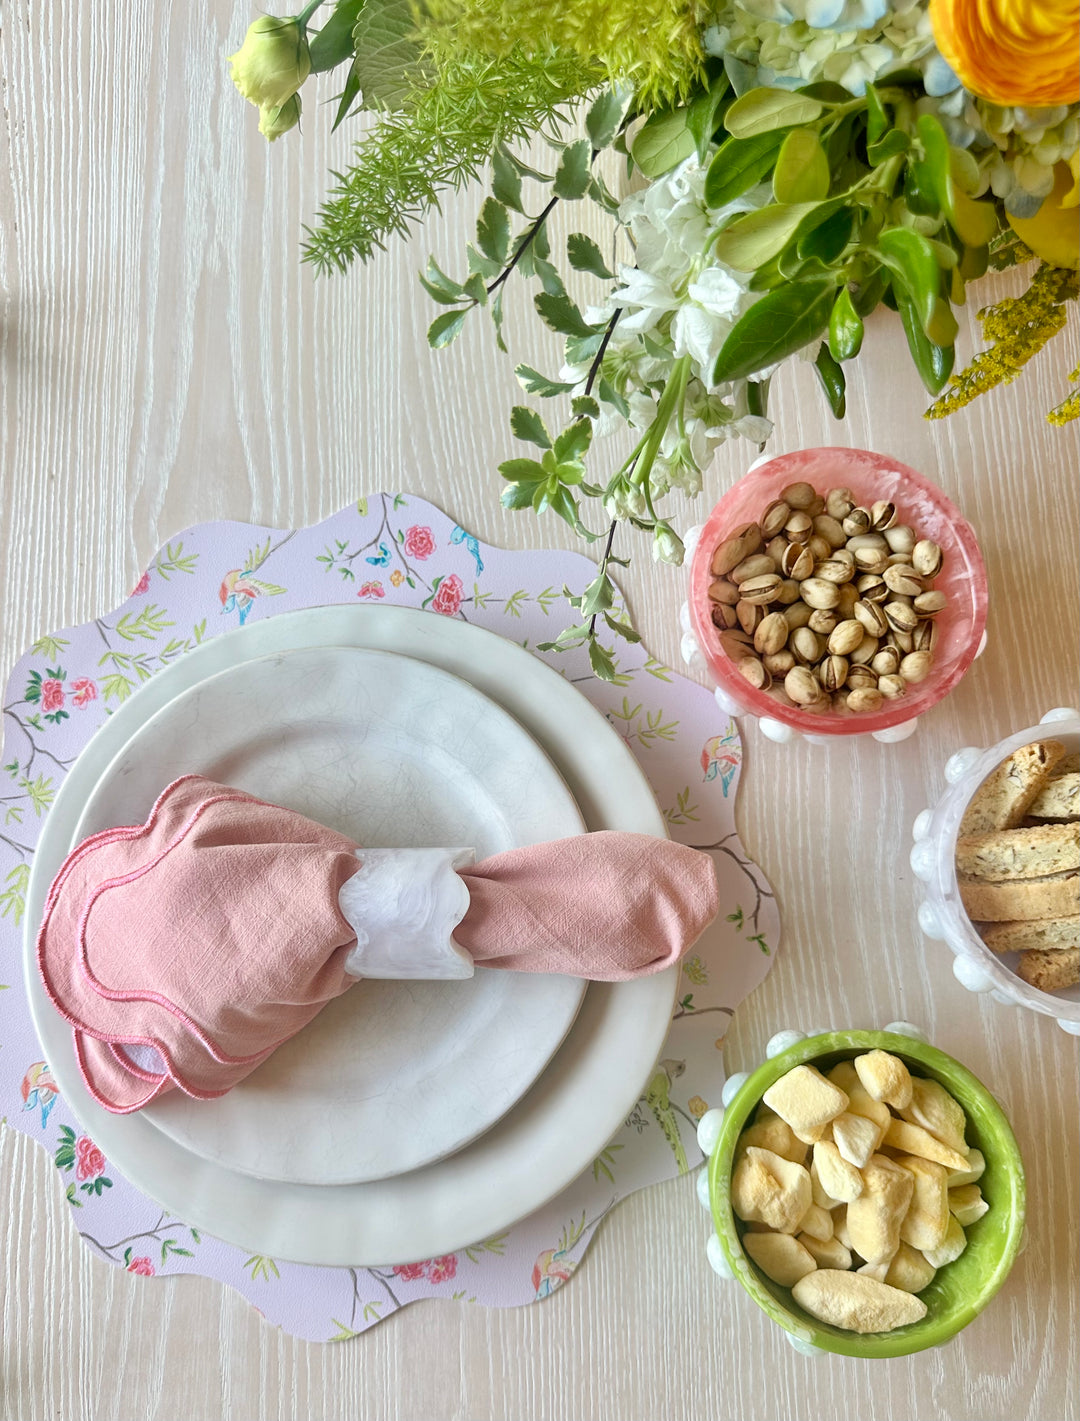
[836,592]
[866,1190]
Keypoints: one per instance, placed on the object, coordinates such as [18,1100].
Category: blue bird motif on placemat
[459,535]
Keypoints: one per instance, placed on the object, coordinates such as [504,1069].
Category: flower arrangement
[793,164]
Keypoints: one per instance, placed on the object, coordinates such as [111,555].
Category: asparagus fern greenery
[793,171]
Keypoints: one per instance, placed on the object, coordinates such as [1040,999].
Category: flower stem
[670,400]
[525,245]
[307,12]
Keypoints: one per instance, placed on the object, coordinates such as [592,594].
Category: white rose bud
[272,63]
[667,545]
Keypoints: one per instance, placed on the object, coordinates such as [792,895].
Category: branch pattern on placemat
[395,549]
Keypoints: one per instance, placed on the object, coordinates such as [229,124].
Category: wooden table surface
[165,361]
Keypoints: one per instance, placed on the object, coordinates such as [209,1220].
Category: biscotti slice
[1002,800]
[1005,854]
[1069,766]
[1050,971]
[1059,799]
[1036,934]
[1055,896]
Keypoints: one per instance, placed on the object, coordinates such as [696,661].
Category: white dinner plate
[393,753]
[559,1126]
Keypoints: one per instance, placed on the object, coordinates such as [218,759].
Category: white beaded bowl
[933,860]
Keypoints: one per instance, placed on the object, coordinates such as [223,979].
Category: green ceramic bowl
[960,1290]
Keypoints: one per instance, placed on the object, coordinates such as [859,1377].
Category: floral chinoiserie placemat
[390,549]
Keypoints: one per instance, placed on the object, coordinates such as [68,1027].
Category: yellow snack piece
[781,1257]
[885,1077]
[770,1189]
[927,1219]
[827,1252]
[856,1302]
[933,1108]
[845,1077]
[951,1249]
[860,1102]
[874,1218]
[773,1134]
[806,1100]
[840,1228]
[973,1172]
[855,1137]
[967,1204]
[817,1222]
[914,1140]
[909,1270]
[874,1270]
[818,1193]
[840,1179]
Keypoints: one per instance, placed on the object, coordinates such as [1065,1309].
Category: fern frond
[441,139]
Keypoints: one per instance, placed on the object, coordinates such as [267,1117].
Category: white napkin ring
[403,905]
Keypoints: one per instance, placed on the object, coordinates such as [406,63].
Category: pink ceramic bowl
[918,503]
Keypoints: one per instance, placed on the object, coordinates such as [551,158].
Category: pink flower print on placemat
[89,1161]
[409,1272]
[143,585]
[441,1270]
[84,691]
[371,589]
[447,595]
[142,1266]
[419,542]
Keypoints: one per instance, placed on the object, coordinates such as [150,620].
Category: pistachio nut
[865,698]
[799,527]
[839,568]
[860,676]
[762,589]
[916,667]
[872,617]
[873,560]
[787,593]
[901,615]
[744,541]
[929,604]
[799,495]
[822,621]
[797,615]
[751,669]
[845,637]
[771,634]
[723,616]
[797,561]
[901,579]
[865,651]
[886,662]
[802,686]
[839,502]
[806,645]
[756,565]
[818,593]
[856,522]
[749,615]
[882,515]
[924,637]
[892,687]
[829,528]
[872,588]
[775,516]
[721,590]
[833,672]
[900,538]
[779,663]
[926,558]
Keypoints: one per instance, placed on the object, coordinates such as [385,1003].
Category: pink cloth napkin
[210,935]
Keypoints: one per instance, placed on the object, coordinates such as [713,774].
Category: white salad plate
[558,1127]
[394,753]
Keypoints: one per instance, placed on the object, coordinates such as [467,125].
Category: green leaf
[560,313]
[738,165]
[550,279]
[753,240]
[701,114]
[584,255]
[438,284]
[605,116]
[832,380]
[517,496]
[333,44]
[506,180]
[623,629]
[895,141]
[976,223]
[572,174]
[827,241]
[942,327]
[845,328]
[763,110]
[522,471]
[802,169]
[565,505]
[775,327]
[347,97]
[387,53]
[497,319]
[601,661]
[664,140]
[528,426]
[493,231]
[573,442]
[533,383]
[584,406]
[476,289]
[911,258]
[598,596]
[934,363]
[877,121]
[445,328]
[479,264]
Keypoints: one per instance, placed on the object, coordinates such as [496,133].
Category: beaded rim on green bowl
[961,1289]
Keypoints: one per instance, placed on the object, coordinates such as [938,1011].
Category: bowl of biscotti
[1000,854]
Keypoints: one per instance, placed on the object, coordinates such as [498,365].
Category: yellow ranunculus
[1021,52]
[1054,232]
[272,63]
